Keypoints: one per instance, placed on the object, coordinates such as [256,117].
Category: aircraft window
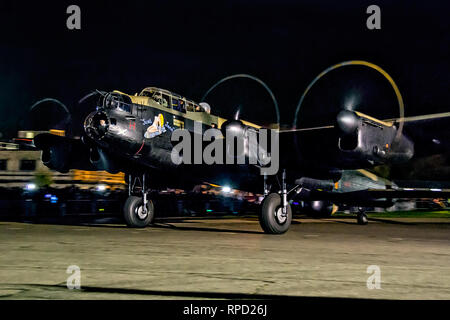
[182,106]
[156,96]
[198,108]
[190,107]
[125,107]
[146,93]
[165,101]
[176,104]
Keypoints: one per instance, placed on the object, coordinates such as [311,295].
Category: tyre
[134,215]
[362,219]
[271,219]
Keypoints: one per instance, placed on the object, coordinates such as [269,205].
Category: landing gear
[138,212]
[276,212]
[361,217]
[272,218]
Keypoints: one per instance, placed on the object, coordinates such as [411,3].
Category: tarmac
[227,258]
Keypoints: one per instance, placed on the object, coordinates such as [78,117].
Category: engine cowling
[237,136]
[366,138]
[340,121]
[56,157]
[62,154]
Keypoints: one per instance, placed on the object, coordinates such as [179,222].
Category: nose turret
[96,125]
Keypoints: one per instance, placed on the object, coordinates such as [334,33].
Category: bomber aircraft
[350,117]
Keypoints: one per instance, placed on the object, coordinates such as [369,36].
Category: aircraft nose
[96,125]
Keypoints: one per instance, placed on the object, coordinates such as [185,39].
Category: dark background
[187,46]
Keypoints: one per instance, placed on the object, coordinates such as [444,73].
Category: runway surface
[227,258]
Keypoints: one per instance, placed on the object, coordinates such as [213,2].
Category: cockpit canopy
[172,100]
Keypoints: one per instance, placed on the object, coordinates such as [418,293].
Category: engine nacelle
[246,142]
[55,157]
[62,154]
[362,137]
[235,133]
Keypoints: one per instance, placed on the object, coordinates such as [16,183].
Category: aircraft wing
[430,133]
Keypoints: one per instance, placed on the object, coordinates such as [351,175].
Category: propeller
[244,100]
[49,113]
[354,86]
[243,97]
[335,100]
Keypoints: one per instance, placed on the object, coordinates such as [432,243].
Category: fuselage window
[190,107]
[182,106]
[146,94]
[198,108]
[176,104]
[125,107]
[156,96]
[165,100]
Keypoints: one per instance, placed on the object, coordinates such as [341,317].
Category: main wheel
[134,214]
[271,218]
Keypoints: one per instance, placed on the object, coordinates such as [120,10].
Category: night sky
[187,46]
